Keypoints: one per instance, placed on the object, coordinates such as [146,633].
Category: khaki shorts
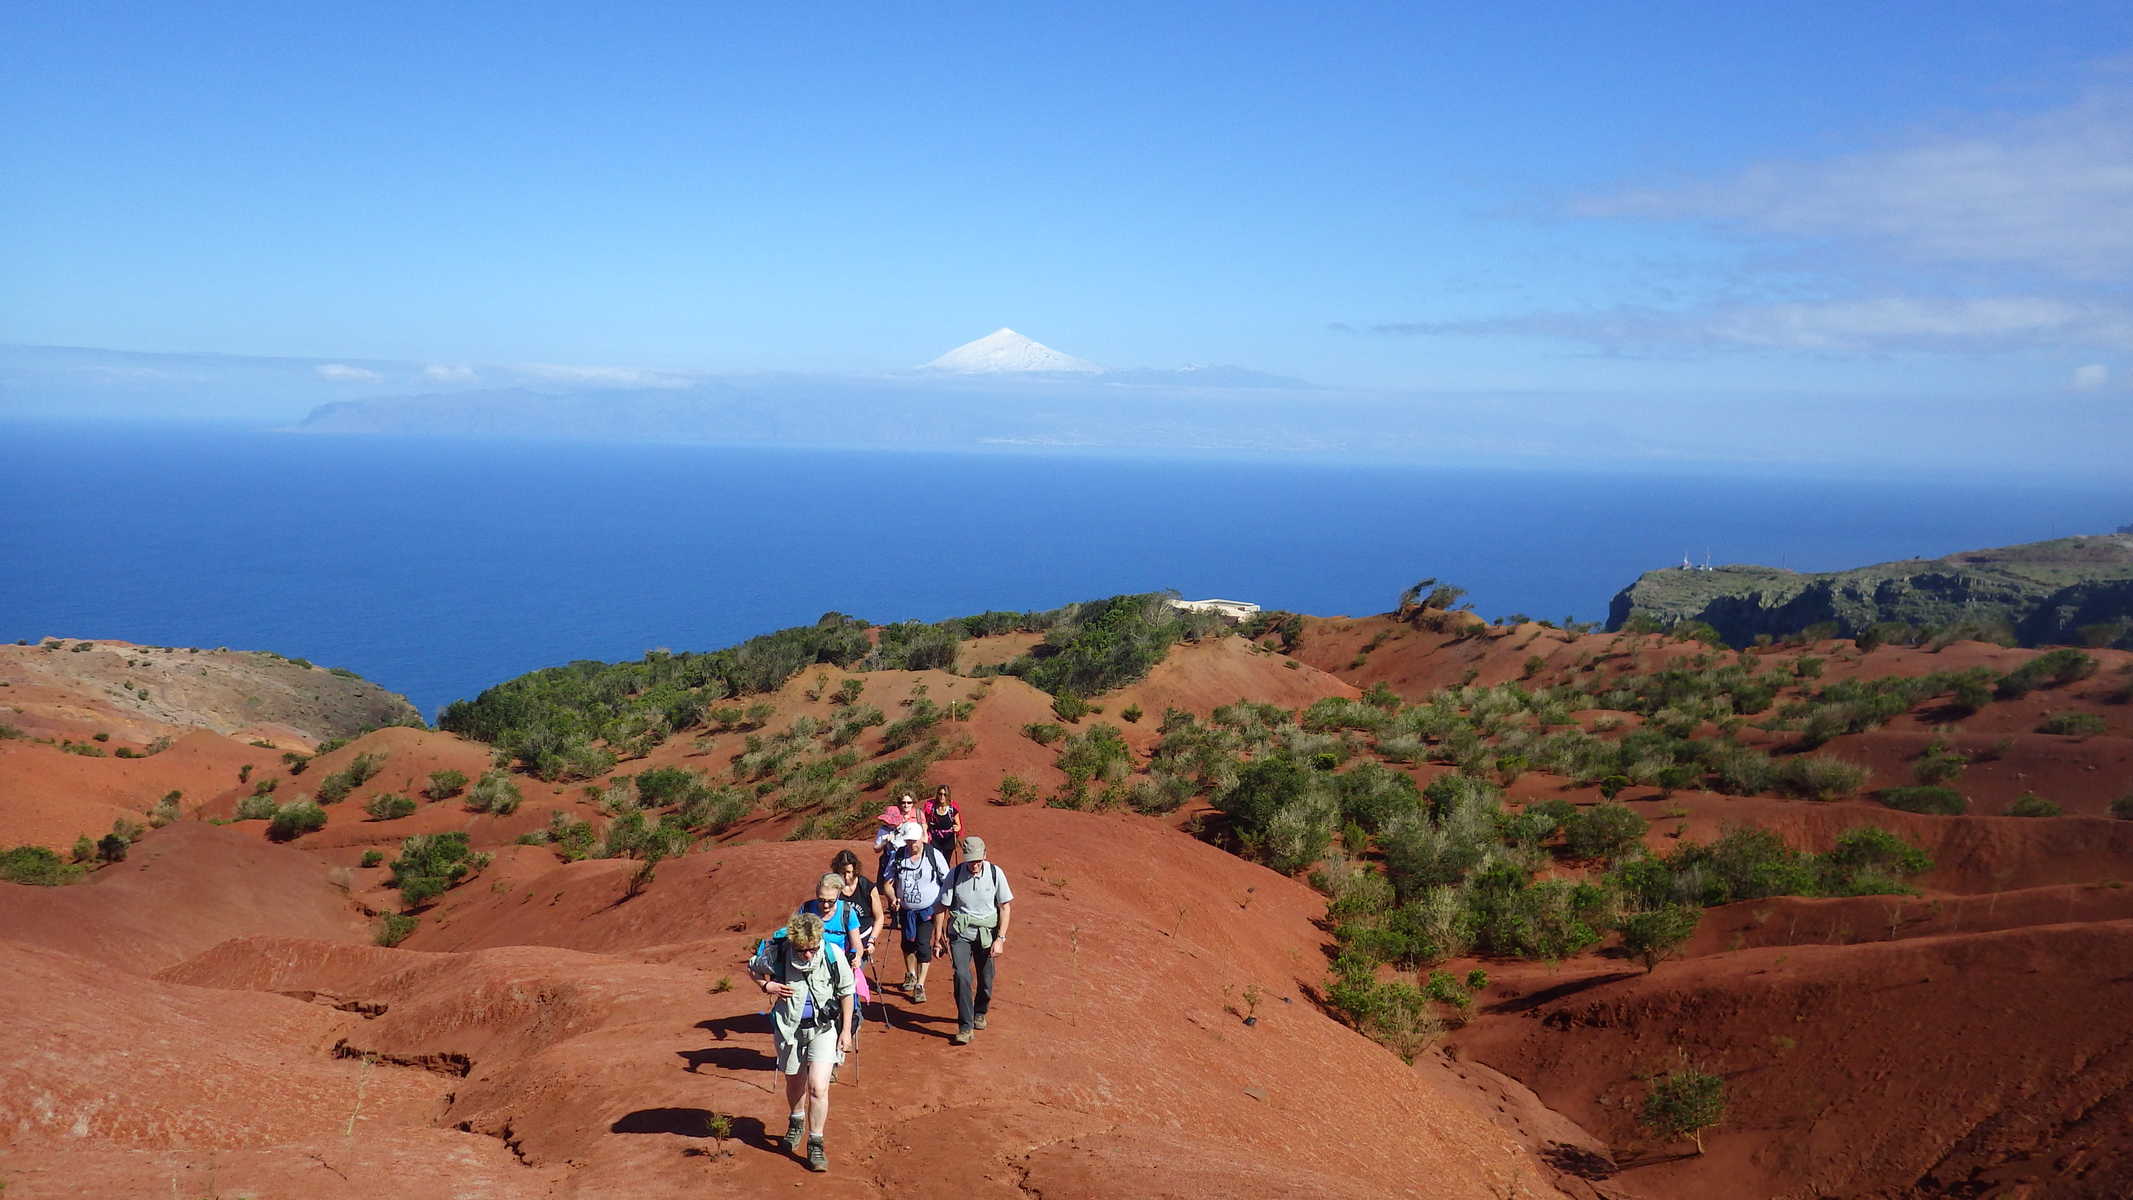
[820,1047]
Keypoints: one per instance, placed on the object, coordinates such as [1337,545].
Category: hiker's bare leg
[817,1075]
[796,1091]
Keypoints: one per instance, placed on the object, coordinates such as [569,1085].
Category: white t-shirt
[918,880]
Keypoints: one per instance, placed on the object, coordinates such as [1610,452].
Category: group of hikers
[946,898]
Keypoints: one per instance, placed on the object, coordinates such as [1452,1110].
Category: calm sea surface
[440,567]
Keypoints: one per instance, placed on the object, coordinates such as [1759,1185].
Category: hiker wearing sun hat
[888,838]
[978,908]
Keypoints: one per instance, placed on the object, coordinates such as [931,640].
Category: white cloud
[609,377]
[1870,326]
[343,373]
[2052,192]
[2091,377]
[448,372]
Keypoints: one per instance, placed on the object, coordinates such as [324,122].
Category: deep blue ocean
[440,567]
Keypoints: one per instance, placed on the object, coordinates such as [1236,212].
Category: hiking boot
[918,994]
[795,1129]
[978,1022]
[817,1160]
[963,1037]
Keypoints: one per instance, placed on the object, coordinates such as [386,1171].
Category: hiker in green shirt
[811,1023]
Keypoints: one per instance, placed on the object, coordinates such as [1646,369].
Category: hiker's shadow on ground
[755,1024]
[692,1123]
[727,1058]
[916,1022]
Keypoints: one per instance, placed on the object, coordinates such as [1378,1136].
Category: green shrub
[1069,706]
[2122,808]
[393,928]
[1373,796]
[2030,804]
[166,810]
[1445,988]
[2072,724]
[714,810]
[1099,755]
[1968,695]
[661,786]
[2050,669]
[1131,713]
[334,788]
[295,819]
[1100,645]
[847,723]
[428,864]
[495,793]
[537,716]
[1355,891]
[84,849]
[913,646]
[372,858]
[1395,1015]
[923,715]
[389,806]
[1603,831]
[1551,920]
[256,808]
[1820,777]
[445,784]
[1043,733]
[1938,765]
[1656,935]
[1869,862]
[573,838]
[1926,798]
[1684,1103]
[36,866]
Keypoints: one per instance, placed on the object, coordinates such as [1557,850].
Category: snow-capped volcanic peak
[1005,350]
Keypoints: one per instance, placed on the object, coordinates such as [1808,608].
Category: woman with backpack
[888,838]
[843,924]
[914,886]
[810,984]
[944,823]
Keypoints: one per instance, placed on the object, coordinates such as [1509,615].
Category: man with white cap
[917,873]
[973,932]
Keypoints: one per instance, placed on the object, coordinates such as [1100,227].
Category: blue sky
[1614,198]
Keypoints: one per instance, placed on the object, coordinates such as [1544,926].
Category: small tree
[1655,936]
[1685,1102]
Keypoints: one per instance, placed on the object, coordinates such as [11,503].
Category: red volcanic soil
[49,797]
[549,1037]
[1949,1065]
[210,1018]
[181,890]
[1200,677]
